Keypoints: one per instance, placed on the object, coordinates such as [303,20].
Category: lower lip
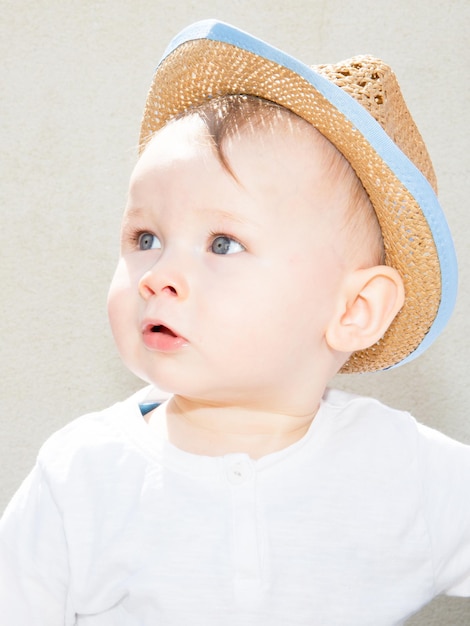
[163,342]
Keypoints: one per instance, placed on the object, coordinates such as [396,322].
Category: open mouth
[162,338]
[162,329]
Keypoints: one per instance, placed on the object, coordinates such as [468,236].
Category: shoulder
[369,433]
[350,404]
[96,439]
[371,418]
[368,420]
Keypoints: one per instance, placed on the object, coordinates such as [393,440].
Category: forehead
[272,134]
[277,162]
[176,142]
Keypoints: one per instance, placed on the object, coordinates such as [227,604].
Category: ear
[369,301]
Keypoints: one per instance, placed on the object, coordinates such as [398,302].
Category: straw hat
[358,106]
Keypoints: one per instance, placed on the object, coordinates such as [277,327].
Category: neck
[216,429]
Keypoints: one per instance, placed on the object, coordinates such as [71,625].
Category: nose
[163,280]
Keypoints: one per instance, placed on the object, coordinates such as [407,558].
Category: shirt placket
[246,541]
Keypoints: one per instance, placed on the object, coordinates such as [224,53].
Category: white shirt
[359,523]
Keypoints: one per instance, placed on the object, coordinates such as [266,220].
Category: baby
[274,235]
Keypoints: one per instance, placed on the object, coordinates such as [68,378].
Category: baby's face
[225,283]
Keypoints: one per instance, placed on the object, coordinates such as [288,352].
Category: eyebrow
[221,214]
[133,212]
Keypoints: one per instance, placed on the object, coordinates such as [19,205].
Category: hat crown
[373,84]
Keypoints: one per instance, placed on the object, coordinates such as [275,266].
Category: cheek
[245,308]
[307,291]
[119,298]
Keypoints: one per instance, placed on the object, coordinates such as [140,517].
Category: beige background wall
[74,76]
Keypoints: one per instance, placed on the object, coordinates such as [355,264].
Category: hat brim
[210,59]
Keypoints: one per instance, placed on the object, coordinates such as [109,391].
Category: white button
[238,472]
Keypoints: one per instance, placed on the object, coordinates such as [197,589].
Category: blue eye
[147,241]
[226,245]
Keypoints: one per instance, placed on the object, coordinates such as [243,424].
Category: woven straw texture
[201,69]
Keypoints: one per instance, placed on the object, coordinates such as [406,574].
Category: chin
[167,383]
